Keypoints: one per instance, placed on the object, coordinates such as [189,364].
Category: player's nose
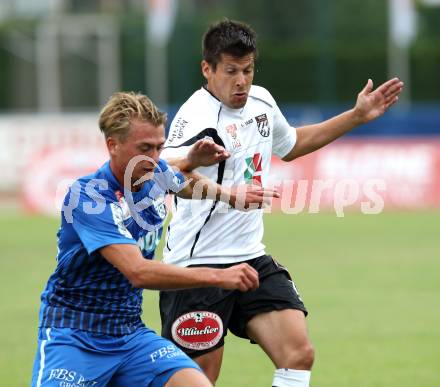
[240,80]
[154,154]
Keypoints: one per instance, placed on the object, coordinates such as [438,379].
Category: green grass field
[371,283]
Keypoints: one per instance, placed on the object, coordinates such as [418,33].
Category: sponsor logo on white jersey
[263,125]
[177,130]
[232,132]
[253,171]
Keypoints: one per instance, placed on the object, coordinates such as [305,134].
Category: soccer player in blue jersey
[90,328]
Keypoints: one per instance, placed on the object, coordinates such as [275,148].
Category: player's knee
[299,358]
[210,363]
[304,357]
[309,356]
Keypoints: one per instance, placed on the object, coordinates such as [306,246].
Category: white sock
[285,377]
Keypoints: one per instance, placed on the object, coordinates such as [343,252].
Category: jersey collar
[115,185]
[108,174]
[213,98]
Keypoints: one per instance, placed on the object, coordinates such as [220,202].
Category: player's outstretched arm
[148,274]
[370,104]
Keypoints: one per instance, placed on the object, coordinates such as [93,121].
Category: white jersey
[211,232]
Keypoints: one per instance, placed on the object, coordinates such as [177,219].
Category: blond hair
[122,108]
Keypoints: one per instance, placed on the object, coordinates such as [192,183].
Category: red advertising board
[364,174]
[367,175]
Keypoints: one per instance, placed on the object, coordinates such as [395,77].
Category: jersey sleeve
[99,223]
[168,179]
[284,135]
[188,126]
[181,137]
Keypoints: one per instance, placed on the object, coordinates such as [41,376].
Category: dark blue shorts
[71,358]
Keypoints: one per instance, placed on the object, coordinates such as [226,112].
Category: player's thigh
[276,292]
[151,361]
[211,363]
[280,334]
[61,359]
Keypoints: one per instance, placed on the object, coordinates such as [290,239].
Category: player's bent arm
[203,153]
[148,274]
[200,187]
[241,197]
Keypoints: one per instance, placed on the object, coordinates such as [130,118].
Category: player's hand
[247,197]
[371,103]
[206,152]
[242,277]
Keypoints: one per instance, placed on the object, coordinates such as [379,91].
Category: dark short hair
[228,37]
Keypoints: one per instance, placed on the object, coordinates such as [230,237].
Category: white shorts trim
[42,357]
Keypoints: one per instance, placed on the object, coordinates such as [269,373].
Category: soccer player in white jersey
[246,121]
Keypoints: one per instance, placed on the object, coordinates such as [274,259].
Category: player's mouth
[241,96]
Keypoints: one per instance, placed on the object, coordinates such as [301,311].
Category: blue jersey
[86,292]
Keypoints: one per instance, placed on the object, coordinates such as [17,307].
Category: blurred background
[371,282]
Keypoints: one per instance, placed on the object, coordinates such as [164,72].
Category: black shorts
[197,320]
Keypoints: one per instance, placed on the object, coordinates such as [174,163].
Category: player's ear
[206,69]
[112,145]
